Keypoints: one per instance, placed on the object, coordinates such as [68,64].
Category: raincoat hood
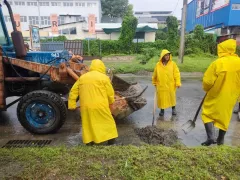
[98,65]
[163,53]
[227,48]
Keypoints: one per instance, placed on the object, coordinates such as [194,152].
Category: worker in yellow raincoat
[221,82]
[96,94]
[166,78]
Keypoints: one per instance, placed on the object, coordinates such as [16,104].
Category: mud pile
[154,136]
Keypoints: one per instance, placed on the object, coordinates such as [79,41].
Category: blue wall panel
[234,17]
[218,17]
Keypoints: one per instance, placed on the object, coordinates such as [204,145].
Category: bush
[197,43]
[147,54]
[161,35]
[54,39]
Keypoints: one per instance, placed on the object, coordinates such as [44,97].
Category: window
[80,4]
[3,39]
[45,20]
[33,20]
[61,20]
[23,18]
[91,4]
[68,31]
[43,3]
[19,3]
[80,18]
[73,30]
[235,6]
[67,4]
[65,31]
[138,12]
[56,3]
[139,37]
[32,3]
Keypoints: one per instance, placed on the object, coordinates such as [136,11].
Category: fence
[52,46]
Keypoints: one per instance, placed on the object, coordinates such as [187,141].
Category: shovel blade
[188,126]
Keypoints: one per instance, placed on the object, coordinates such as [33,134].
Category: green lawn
[191,64]
[121,162]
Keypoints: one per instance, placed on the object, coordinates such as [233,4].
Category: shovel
[191,124]
[154,108]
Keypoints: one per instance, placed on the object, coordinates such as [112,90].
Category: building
[220,16]
[104,31]
[38,12]
[152,16]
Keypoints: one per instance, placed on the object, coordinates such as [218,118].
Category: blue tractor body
[33,56]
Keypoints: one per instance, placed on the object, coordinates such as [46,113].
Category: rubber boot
[90,144]
[174,112]
[220,139]
[161,112]
[210,136]
[111,142]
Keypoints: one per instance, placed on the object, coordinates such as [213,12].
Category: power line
[175,7]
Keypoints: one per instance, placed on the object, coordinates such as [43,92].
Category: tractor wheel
[41,112]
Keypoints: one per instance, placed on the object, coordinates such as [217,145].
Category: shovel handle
[154,107]
[199,108]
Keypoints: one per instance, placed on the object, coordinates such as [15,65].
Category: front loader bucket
[128,98]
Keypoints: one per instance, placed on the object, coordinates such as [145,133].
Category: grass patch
[122,162]
[191,64]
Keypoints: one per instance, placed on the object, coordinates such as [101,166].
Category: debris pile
[155,136]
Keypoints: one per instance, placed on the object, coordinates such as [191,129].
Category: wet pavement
[189,97]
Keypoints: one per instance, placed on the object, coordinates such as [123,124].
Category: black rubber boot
[210,136]
[161,112]
[90,144]
[111,142]
[174,112]
[220,139]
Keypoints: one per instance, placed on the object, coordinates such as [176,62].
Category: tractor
[42,81]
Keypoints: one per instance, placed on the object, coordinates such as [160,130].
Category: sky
[159,5]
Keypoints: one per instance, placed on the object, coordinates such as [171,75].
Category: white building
[104,31]
[38,12]
[152,16]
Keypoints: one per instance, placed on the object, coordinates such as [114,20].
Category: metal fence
[76,47]
[52,46]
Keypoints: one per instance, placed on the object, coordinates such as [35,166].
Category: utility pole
[183,27]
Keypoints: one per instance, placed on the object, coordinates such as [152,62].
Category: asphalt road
[189,97]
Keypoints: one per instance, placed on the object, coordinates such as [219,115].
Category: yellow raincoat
[222,85]
[166,79]
[96,94]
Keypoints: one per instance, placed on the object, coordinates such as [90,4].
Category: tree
[173,34]
[128,31]
[129,11]
[114,8]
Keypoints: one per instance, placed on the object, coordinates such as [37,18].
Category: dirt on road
[155,136]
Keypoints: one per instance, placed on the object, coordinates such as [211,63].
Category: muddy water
[188,99]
